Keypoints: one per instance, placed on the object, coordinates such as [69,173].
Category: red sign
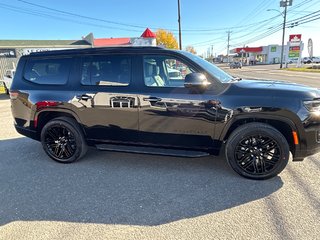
[248,49]
[296,48]
[295,38]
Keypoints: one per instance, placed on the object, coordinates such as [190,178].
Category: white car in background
[311,60]
[175,74]
[7,79]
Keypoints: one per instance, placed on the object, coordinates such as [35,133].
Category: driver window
[162,71]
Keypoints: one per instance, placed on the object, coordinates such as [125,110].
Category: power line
[45,15]
[81,16]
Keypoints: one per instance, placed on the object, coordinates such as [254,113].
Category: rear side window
[107,70]
[48,71]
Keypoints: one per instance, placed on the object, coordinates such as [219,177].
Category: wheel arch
[44,116]
[283,125]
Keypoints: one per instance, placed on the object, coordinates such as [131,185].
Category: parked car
[121,99]
[174,74]
[315,59]
[235,65]
[7,79]
[307,60]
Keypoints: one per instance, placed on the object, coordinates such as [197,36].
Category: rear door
[106,104]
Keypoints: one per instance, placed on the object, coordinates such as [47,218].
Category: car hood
[286,89]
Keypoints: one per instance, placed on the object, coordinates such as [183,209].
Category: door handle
[152,99]
[84,97]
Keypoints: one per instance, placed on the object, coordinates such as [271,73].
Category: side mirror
[196,80]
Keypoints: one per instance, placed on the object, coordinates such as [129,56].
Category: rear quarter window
[48,71]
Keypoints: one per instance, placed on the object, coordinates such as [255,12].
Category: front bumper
[309,144]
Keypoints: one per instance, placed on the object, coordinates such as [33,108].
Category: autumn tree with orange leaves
[191,49]
[166,38]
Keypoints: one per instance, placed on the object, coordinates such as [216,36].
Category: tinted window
[110,70]
[48,71]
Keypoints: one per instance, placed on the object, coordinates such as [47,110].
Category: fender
[259,116]
[53,108]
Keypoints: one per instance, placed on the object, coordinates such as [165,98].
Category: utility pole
[228,46]
[179,21]
[285,4]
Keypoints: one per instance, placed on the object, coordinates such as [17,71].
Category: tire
[257,151]
[63,140]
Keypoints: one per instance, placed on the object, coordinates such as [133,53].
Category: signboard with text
[295,38]
[295,48]
[294,52]
[8,53]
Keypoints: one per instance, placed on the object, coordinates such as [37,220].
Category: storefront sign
[273,49]
[294,52]
[8,53]
[27,51]
[295,38]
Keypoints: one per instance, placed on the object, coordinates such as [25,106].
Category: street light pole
[285,4]
[179,21]
[283,30]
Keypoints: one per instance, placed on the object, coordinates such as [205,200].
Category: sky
[204,23]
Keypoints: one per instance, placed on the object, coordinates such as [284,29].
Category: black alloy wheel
[62,140]
[257,151]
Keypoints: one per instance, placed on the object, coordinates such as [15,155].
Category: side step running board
[151,150]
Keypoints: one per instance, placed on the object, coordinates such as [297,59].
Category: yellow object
[2,89]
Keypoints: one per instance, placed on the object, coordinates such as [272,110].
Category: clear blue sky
[204,22]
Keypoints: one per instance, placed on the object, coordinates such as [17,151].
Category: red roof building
[99,42]
[148,38]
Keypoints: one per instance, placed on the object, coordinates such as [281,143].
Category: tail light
[44,104]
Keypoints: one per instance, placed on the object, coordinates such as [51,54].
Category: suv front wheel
[257,151]
[63,140]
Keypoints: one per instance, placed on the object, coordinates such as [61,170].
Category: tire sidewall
[264,130]
[77,135]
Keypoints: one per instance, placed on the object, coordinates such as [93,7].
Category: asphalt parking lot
[131,196]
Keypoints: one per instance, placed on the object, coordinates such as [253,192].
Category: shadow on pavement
[116,188]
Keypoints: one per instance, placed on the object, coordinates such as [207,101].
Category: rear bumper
[27,132]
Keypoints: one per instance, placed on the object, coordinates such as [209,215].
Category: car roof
[118,49]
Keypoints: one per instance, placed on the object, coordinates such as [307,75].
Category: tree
[191,49]
[166,39]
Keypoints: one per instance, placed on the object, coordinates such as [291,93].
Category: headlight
[312,106]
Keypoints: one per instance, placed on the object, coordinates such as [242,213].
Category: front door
[170,114]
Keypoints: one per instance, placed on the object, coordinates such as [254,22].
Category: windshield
[209,67]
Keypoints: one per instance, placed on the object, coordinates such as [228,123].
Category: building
[270,54]
[12,50]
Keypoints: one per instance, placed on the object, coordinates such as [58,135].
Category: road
[131,196]
[272,72]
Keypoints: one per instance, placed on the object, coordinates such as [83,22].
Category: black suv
[124,99]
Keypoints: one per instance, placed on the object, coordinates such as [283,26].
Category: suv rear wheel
[257,151]
[63,140]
